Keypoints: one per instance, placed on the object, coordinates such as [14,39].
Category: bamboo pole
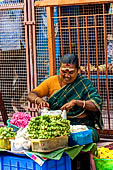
[60,22]
[106,63]
[96,42]
[26,42]
[34,46]
[87,39]
[78,41]
[51,41]
[69,35]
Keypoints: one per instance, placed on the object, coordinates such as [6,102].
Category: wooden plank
[69,2]
[105,132]
[12,6]
[51,41]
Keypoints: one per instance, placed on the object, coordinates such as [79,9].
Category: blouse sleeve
[42,89]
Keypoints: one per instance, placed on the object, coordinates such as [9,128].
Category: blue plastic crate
[9,162]
[81,138]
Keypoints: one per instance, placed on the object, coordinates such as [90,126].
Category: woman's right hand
[41,103]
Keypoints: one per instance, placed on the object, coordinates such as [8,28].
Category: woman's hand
[68,105]
[41,103]
[88,105]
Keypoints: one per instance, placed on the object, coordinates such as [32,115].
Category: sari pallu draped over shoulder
[80,89]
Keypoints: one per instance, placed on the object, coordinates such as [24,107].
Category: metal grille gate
[13,75]
[87,31]
[26,60]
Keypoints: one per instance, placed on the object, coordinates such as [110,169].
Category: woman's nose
[67,75]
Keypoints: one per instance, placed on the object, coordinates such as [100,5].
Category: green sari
[80,89]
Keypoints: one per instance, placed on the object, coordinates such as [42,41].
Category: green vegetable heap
[48,126]
[6,133]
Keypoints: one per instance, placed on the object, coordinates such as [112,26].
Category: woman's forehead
[64,65]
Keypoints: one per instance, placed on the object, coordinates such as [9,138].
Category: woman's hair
[70,59]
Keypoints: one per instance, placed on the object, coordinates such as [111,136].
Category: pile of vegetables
[48,126]
[20,119]
[104,153]
[6,133]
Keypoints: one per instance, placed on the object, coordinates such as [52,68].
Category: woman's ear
[78,71]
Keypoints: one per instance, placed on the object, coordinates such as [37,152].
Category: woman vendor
[72,92]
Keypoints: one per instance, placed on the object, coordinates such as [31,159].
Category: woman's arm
[37,94]
[32,96]
[88,105]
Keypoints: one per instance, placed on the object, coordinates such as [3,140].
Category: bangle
[84,104]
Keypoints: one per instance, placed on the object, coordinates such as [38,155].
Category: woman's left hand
[68,105]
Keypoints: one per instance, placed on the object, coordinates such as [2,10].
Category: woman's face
[68,73]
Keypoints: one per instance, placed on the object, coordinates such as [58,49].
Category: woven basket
[48,145]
